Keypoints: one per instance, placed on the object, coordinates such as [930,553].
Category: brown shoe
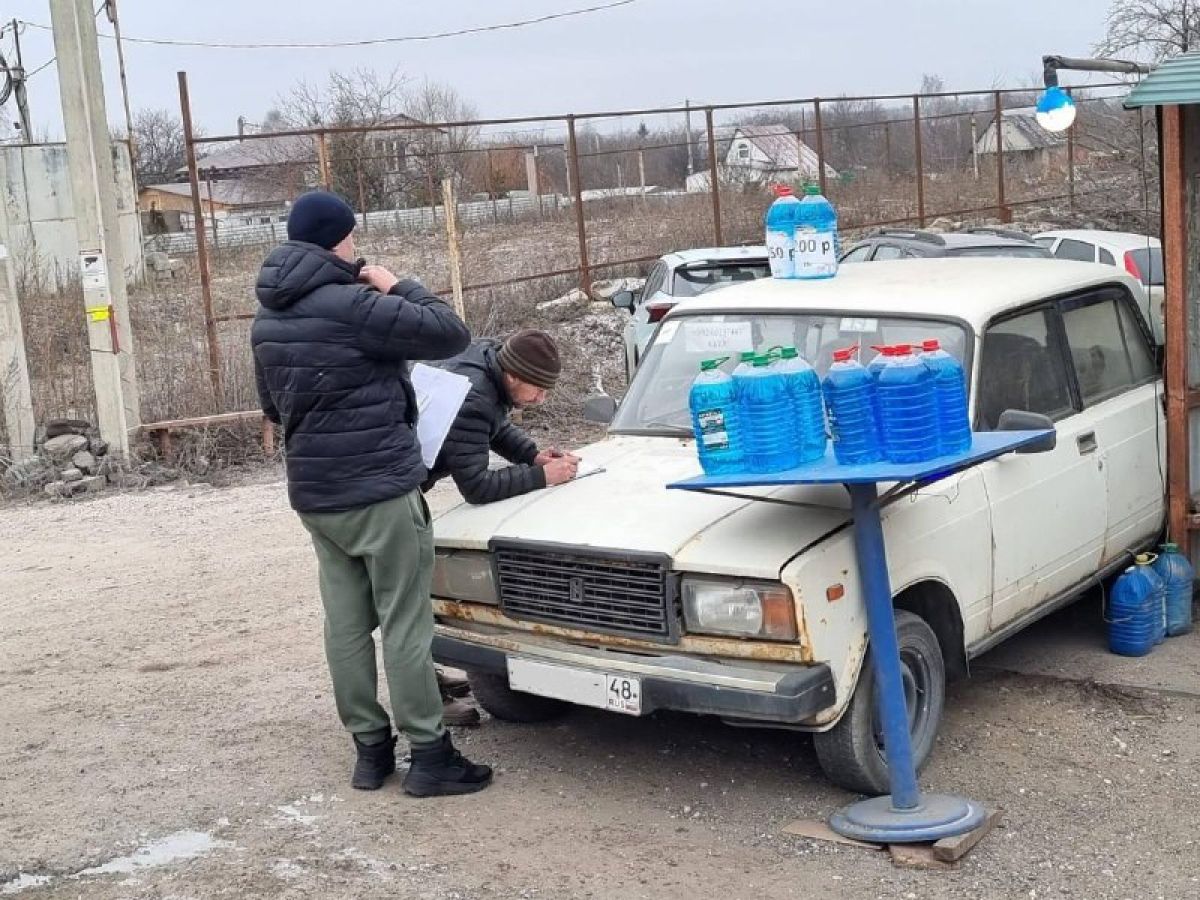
[451,686]
[457,713]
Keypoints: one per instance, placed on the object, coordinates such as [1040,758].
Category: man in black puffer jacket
[519,372]
[332,340]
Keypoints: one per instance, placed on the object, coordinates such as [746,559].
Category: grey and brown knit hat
[531,356]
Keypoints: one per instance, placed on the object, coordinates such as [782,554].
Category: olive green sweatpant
[375,565]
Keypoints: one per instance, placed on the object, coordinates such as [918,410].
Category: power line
[99,9]
[367,42]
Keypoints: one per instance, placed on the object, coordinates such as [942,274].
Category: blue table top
[985,445]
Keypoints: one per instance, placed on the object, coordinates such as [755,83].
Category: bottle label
[816,253]
[781,251]
[713,433]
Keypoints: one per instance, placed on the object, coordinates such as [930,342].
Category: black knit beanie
[531,356]
[320,218]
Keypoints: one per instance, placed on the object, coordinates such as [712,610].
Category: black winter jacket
[331,359]
[482,425]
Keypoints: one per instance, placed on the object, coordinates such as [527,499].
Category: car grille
[608,594]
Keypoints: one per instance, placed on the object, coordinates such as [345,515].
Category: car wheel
[851,753]
[494,695]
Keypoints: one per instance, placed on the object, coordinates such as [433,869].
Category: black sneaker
[438,770]
[374,764]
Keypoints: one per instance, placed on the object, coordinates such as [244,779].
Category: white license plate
[601,690]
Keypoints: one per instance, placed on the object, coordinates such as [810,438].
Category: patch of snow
[23,882]
[174,847]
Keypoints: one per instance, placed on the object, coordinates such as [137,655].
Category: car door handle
[1086,443]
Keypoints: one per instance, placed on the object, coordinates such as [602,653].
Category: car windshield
[1032,251]
[691,281]
[1149,264]
[657,401]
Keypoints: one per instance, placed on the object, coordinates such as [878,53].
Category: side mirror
[599,409]
[623,300]
[1020,420]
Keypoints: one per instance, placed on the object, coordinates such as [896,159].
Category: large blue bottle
[1178,578]
[1133,617]
[808,411]
[850,401]
[715,420]
[765,417]
[781,232]
[907,403]
[950,383]
[816,236]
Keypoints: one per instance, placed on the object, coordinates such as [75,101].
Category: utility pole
[111,9]
[101,257]
[18,79]
[687,126]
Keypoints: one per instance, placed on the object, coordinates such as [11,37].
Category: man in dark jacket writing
[332,339]
[518,372]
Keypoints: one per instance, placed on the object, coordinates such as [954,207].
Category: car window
[1007,250]
[888,251]
[1021,367]
[1080,250]
[1107,258]
[1109,350]
[1046,242]
[858,254]
[694,280]
[1149,265]
[654,281]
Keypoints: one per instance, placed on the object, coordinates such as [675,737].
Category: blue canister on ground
[1178,579]
[907,403]
[808,410]
[715,420]
[765,417]
[816,236]
[781,232]
[950,391]
[849,393]
[1134,615]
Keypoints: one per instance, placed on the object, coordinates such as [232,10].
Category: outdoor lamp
[1055,110]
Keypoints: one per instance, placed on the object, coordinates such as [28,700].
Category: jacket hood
[481,362]
[295,269]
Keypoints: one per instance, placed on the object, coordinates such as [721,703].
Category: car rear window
[1029,252]
[1149,263]
[694,280]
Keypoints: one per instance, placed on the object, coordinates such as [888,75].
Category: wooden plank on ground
[819,831]
[952,849]
[916,856]
[232,418]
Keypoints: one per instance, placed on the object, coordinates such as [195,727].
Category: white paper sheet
[440,395]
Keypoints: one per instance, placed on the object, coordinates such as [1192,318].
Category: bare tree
[1151,29]
[161,152]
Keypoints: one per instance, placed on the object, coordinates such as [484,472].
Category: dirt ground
[167,731]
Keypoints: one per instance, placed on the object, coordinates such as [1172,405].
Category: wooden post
[491,187]
[1071,166]
[456,280]
[212,213]
[1175,238]
[585,269]
[323,160]
[1001,201]
[919,157]
[820,147]
[210,319]
[714,176]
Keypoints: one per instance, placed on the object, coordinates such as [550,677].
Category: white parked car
[1138,254]
[677,276]
[613,592]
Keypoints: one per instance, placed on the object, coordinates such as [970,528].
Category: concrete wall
[38,224]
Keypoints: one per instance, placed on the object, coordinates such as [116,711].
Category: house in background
[231,202]
[757,154]
[1024,140]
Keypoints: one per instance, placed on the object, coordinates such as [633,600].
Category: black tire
[851,753]
[494,695]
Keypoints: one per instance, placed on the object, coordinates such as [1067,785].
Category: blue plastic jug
[715,420]
[816,236]
[907,402]
[781,232]
[850,401]
[765,418]
[950,383]
[1178,578]
[808,410]
[1133,612]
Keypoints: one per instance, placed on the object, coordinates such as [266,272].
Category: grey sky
[651,53]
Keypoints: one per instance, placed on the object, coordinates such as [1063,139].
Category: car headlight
[743,608]
[464,575]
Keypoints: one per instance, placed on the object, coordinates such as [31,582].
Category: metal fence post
[713,176]
[585,271]
[210,321]
[1001,200]
[919,156]
[820,146]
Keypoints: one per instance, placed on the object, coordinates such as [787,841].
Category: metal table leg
[906,815]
